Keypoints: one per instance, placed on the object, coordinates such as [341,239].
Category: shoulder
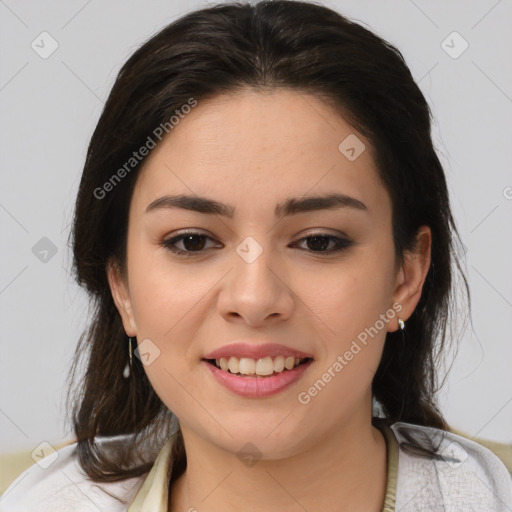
[440,470]
[57,483]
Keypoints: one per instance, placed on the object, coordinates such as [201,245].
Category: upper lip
[254,351]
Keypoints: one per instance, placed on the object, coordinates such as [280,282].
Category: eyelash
[342,243]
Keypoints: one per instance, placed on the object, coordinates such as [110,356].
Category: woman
[265,229]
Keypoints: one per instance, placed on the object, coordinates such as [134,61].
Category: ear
[121,295]
[411,276]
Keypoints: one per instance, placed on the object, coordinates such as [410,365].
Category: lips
[256,351]
[256,386]
[257,370]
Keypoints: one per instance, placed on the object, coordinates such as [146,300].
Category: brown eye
[320,243]
[192,242]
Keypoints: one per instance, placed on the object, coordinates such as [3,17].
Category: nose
[256,290]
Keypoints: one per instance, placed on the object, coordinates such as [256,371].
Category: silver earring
[128,367]
[401,323]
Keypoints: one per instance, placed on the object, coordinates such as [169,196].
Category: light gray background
[49,108]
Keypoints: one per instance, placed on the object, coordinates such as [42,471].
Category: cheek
[170,304]
[163,294]
[350,298]
[349,318]
[168,311]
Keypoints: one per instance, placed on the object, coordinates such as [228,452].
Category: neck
[345,471]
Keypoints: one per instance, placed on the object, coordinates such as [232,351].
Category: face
[313,282]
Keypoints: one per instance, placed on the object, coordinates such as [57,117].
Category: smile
[262,367]
[254,385]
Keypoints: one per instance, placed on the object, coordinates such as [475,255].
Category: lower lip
[257,387]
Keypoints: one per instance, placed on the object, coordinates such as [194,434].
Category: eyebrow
[290,206]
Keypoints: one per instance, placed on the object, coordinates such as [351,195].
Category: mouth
[260,368]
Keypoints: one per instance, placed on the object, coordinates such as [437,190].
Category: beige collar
[153,495]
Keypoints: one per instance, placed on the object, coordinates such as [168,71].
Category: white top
[461,476]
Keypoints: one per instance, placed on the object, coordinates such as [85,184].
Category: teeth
[247,366]
[279,364]
[233,364]
[264,366]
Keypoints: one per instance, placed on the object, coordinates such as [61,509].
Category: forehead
[253,146]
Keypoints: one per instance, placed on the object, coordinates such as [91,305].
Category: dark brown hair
[273,44]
